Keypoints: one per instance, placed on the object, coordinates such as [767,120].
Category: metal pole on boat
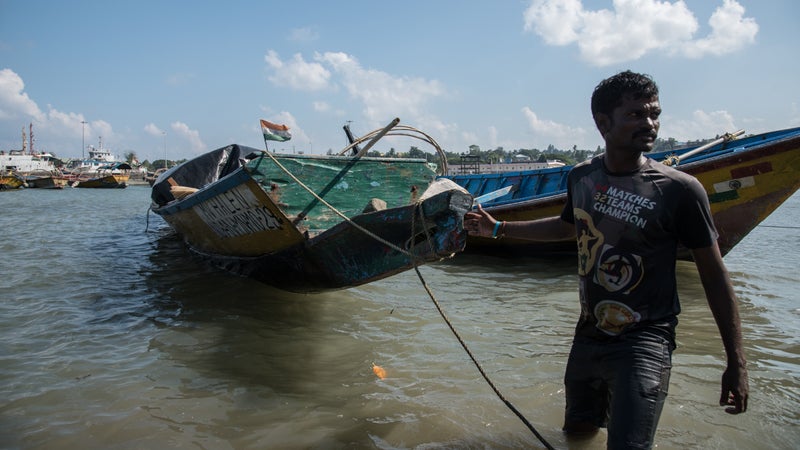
[345,169]
[377,137]
[165,149]
[83,140]
[725,138]
[350,138]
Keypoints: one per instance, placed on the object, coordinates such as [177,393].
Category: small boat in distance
[46,179]
[112,176]
[746,179]
[11,180]
[309,223]
[100,170]
[37,169]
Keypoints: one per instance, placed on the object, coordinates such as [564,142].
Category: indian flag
[275,132]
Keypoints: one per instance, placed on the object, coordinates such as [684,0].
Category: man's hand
[734,390]
[479,223]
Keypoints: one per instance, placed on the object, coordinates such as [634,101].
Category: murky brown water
[114,337]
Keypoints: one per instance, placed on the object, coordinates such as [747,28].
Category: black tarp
[200,171]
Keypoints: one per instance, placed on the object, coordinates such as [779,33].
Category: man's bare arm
[550,229]
[723,304]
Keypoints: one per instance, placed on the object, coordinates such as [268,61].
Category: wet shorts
[620,384]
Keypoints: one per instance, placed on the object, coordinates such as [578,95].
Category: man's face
[633,126]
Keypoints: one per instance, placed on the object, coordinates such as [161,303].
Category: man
[628,214]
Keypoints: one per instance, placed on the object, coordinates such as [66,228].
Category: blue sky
[193,76]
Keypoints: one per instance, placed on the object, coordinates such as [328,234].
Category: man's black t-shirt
[628,228]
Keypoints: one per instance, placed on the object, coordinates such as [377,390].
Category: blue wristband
[496,227]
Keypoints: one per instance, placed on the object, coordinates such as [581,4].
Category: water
[115,337]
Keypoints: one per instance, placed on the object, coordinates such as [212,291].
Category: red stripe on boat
[753,170]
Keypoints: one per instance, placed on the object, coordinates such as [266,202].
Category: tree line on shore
[570,156]
[551,153]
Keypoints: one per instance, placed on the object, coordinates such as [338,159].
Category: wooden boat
[152,177]
[37,169]
[44,179]
[11,180]
[112,176]
[308,223]
[746,179]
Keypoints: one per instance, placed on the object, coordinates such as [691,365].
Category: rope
[424,285]
[461,341]
[336,211]
[418,207]
[147,219]
[786,227]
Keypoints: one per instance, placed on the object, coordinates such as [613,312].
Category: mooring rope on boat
[336,211]
[785,227]
[461,341]
[418,207]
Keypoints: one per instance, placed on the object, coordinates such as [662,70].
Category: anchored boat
[746,179]
[111,176]
[308,223]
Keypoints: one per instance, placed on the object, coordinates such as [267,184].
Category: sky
[180,78]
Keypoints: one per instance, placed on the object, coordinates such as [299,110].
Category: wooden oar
[673,161]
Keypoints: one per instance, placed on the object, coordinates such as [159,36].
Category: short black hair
[608,94]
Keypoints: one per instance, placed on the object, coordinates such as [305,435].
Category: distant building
[471,165]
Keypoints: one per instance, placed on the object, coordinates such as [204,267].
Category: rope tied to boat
[464,344]
[334,210]
[414,261]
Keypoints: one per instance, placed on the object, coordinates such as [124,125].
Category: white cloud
[192,136]
[63,123]
[14,102]
[58,126]
[296,73]
[701,125]
[70,126]
[730,31]
[635,28]
[550,132]
[383,95]
[102,129]
[153,130]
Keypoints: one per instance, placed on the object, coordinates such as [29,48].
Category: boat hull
[235,224]
[11,181]
[103,182]
[745,183]
[46,182]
